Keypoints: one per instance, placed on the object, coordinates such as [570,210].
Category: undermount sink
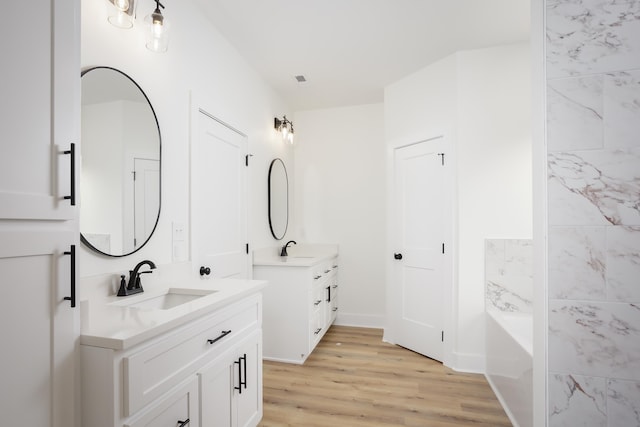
[172,298]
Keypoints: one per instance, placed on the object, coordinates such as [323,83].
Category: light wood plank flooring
[354,379]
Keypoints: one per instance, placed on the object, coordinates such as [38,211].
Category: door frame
[450,236]
[201,104]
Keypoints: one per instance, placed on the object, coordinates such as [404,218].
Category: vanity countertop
[111,322]
[299,256]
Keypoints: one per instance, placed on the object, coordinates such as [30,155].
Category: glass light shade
[284,129]
[157,32]
[290,138]
[119,13]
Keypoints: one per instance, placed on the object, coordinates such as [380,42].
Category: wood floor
[354,379]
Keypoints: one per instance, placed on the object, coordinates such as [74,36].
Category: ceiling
[349,50]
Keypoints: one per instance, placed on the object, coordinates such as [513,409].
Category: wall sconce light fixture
[157,30]
[121,13]
[284,126]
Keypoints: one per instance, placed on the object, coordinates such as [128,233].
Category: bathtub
[509,363]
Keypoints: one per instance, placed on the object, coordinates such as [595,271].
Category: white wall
[339,198]
[494,171]
[198,59]
[480,101]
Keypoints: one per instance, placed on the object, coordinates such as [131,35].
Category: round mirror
[120,163]
[278,199]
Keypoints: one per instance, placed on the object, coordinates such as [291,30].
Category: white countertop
[108,322]
[299,255]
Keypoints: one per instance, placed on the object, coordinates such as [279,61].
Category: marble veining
[623,402]
[509,275]
[592,36]
[577,262]
[596,187]
[577,400]
[623,264]
[575,113]
[595,338]
[622,106]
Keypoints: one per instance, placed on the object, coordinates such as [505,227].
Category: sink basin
[172,298]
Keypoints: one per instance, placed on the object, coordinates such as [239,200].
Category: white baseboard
[468,362]
[360,320]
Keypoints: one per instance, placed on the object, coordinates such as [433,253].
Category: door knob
[397,256]
[205,270]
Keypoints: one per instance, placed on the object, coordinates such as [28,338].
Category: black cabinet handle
[72,197]
[240,376]
[72,298]
[328,293]
[317,302]
[397,256]
[335,308]
[183,423]
[205,270]
[218,338]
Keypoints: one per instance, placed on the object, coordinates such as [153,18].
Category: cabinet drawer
[180,407]
[151,372]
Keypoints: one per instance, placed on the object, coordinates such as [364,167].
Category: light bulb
[122,5]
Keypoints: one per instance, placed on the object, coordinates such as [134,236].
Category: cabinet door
[39,108]
[38,328]
[216,391]
[231,386]
[180,408]
[248,391]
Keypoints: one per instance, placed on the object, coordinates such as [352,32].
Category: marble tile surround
[509,275]
[593,137]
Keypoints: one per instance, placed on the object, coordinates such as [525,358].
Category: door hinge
[247,248]
[442,336]
[441,158]
[443,248]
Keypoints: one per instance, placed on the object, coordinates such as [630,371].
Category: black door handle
[72,298]
[183,423]
[205,270]
[397,256]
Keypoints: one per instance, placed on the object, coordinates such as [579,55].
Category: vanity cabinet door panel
[231,386]
[38,328]
[39,110]
[179,408]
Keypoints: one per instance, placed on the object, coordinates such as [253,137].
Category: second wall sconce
[121,13]
[284,126]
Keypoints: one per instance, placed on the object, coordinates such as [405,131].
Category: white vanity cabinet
[300,305]
[204,373]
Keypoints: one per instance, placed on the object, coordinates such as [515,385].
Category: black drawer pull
[72,298]
[317,331]
[183,423]
[222,335]
[317,302]
[72,152]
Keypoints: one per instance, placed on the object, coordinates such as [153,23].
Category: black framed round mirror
[121,163]
[278,199]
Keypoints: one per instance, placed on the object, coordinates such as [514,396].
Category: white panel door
[219,199]
[419,247]
[146,199]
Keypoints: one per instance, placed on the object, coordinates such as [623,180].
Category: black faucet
[283,252]
[134,285]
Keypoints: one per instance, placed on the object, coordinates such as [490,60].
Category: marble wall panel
[509,275]
[623,403]
[621,105]
[577,260]
[623,264]
[574,113]
[594,338]
[592,36]
[577,401]
[595,187]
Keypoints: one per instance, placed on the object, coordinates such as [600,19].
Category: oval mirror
[120,163]
[278,199]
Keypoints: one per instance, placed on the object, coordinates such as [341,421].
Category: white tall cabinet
[39,120]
